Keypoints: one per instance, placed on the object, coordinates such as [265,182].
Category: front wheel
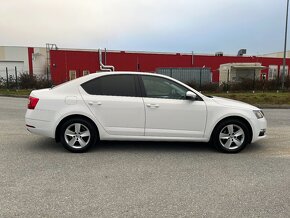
[77,135]
[231,136]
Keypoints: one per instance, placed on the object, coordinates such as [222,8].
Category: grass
[15,92]
[257,98]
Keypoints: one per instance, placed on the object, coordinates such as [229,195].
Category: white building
[236,72]
[31,60]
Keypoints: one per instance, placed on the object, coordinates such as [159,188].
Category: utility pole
[285,44]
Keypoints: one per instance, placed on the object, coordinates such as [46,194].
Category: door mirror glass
[190,95]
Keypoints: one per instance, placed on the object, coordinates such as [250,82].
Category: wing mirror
[190,95]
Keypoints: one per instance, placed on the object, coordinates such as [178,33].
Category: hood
[233,103]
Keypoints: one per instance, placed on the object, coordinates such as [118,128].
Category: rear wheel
[78,135]
[231,136]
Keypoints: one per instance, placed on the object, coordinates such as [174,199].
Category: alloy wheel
[77,135]
[232,136]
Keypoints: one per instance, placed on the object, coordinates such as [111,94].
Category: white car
[140,106]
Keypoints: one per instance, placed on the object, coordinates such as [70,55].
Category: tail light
[32,102]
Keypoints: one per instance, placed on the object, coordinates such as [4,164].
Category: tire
[231,136]
[78,135]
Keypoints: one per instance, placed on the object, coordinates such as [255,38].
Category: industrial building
[61,65]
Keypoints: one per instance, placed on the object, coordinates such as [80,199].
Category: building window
[281,71]
[86,72]
[72,74]
[273,72]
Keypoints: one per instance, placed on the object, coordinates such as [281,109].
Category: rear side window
[115,85]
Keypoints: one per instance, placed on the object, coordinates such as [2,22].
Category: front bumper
[259,129]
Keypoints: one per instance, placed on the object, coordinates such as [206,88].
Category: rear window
[115,85]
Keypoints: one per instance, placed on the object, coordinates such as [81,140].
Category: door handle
[153,105]
[92,103]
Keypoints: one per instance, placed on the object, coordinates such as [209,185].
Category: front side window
[157,87]
[114,85]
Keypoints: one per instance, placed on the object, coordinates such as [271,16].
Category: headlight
[259,114]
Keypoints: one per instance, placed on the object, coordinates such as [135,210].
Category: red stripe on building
[30,53]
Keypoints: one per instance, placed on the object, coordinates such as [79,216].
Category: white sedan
[140,106]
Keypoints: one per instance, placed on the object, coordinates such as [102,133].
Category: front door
[168,112]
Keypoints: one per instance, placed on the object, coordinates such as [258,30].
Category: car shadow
[49,145]
[146,146]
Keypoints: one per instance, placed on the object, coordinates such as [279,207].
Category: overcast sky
[202,26]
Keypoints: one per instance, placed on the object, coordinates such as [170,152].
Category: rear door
[115,101]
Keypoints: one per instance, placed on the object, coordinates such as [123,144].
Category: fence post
[254,81]
[7,81]
[16,77]
[200,79]
[228,78]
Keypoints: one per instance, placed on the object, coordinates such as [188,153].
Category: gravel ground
[38,178]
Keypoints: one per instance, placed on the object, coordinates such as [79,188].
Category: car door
[168,112]
[116,103]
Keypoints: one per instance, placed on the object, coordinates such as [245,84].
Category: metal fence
[9,77]
[199,76]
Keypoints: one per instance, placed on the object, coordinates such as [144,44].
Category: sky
[201,26]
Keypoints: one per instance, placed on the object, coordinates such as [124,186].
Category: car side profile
[140,106]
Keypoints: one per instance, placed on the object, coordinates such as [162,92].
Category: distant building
[236,72]
[23,60]
[61,65]
[276,54]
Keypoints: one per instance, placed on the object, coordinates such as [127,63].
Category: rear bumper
[39,127]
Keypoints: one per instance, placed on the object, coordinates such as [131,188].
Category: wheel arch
[64,119]
[239,118]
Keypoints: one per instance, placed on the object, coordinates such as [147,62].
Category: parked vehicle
[140,106]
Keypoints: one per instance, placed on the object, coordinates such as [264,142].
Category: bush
[27,81]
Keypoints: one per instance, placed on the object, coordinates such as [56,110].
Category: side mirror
[190,95]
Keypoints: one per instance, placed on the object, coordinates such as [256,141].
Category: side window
[115,85]
[157,87]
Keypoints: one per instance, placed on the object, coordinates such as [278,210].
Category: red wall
[64,60]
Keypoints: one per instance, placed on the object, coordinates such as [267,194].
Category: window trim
[136,85]
[143,91]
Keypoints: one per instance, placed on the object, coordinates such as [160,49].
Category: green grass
[17,92]
[258,98]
